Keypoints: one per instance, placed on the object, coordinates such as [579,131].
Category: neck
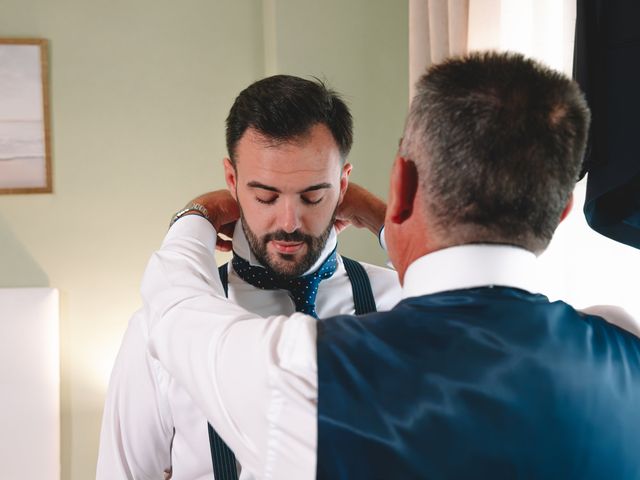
[412,240]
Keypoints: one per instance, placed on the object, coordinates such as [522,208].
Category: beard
[282,264]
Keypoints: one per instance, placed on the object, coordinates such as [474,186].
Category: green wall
[140,90]
[361,49]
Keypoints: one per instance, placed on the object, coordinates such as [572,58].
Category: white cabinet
[29,384]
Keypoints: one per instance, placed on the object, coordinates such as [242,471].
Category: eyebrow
[319,186]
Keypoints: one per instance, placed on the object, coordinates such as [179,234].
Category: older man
[472,374]
[287,139]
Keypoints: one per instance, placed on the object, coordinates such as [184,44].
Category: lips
[287,247]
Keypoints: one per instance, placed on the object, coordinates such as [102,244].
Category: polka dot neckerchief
[302,290]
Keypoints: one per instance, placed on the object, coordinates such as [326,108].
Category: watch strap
[192,208]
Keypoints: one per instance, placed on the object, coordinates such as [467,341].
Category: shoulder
[133,359]
[136,334]
[615,315]
[358,327]
[381,273]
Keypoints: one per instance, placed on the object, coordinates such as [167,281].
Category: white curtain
[542,29]
[437,29]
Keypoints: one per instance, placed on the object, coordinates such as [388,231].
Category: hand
[223,213]
[361,209]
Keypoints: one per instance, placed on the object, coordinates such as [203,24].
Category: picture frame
[25,130]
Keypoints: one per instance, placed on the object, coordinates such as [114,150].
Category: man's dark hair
[284,108]
[498,141]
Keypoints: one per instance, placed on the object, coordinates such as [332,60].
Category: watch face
[177,215]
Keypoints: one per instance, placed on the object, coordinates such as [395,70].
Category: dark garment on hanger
[607,67]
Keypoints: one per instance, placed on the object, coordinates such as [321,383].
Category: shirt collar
[469,266]
[241,247]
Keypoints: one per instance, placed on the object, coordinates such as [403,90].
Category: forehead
[313,157]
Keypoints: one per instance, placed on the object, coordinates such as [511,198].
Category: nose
[289,216]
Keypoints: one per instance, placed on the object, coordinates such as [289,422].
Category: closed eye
[309,201]
[267,201]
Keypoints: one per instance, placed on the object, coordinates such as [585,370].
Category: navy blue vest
[481,383]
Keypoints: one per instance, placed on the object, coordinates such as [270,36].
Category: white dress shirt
[151,424]
[207,344]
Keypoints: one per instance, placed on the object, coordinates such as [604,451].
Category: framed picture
[25,143]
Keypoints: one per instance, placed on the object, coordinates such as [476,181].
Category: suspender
[223,459]
[361,287]
[223,271]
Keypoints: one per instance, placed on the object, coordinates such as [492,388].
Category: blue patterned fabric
[479,383]
[302,290]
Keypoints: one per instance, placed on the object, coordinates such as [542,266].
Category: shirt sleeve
[255,379]
[135,440]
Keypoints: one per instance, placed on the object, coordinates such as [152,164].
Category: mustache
[282,236]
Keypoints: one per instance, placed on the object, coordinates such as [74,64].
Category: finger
[223,245]
[227,229]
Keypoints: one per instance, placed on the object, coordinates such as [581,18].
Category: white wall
[140,90]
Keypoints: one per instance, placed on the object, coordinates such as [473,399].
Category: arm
[135,440]
[254,378]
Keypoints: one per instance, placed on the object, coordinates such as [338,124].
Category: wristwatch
[191,209]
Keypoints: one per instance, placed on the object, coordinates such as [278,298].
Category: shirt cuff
[193,226]
[381,239]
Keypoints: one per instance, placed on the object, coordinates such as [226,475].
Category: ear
[567,208]
[403,189]
[230,176]
[344,180]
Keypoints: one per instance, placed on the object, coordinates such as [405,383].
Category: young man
[472,374]
[288,139]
